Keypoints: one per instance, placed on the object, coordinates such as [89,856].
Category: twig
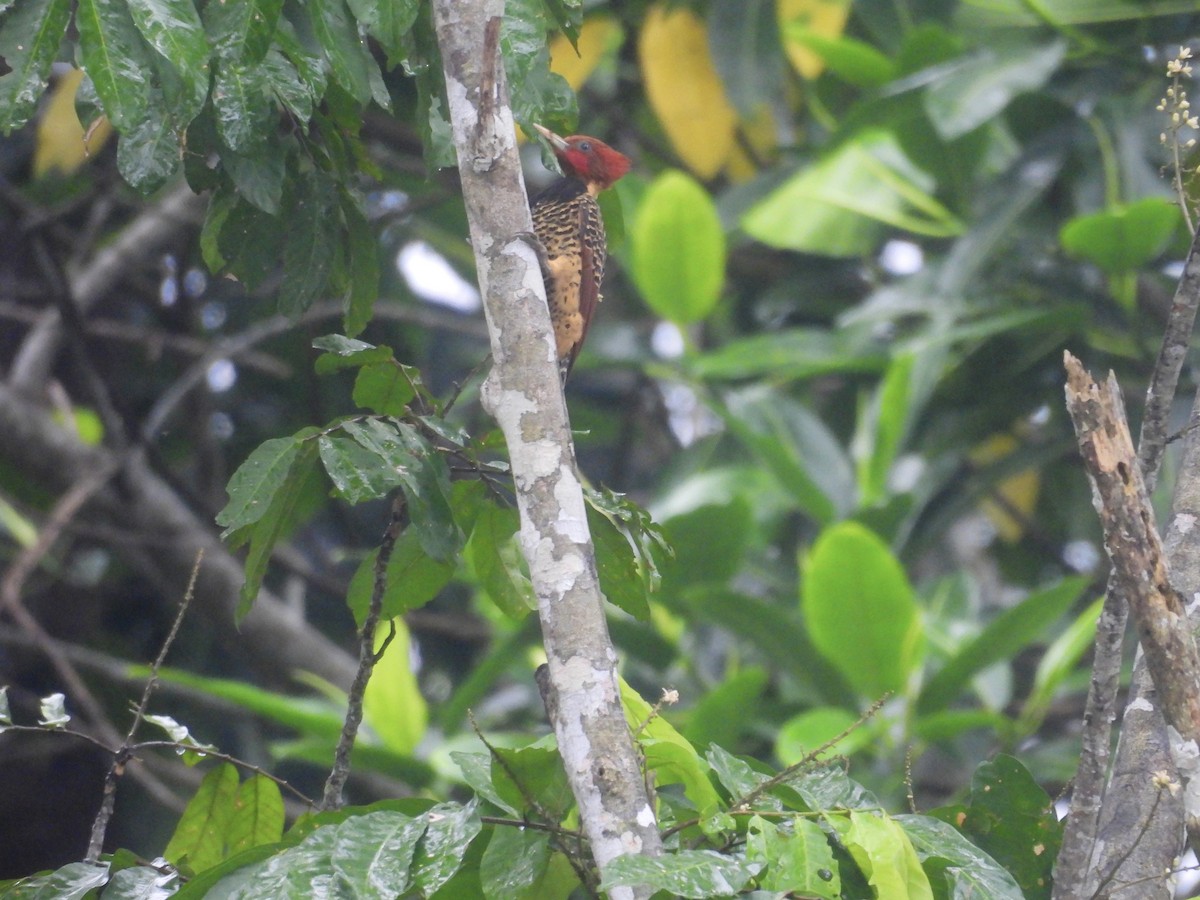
[123,753]
[367,658]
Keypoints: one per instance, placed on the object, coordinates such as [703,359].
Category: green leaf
[199,841]
[386,388]
[884,853]
[798,861]
[515,864]
[793,354]
[727,710]
[243,106]
[258,814]
[117,60]
[987,81]
[629,546]
[349,59]
[826,786]
[172,27]
[392,705]
[363,246]
[839,205]
[966,870]
[796,447]
[413,579]
[1008,13]
[495,560]
[30,36]
[309,243]
[389,23]
[678,249]
[852,60]
[531,779]
[684,873]
[242,30]
[451,829]
[1002,639]
[250,242]
[668,754]
[860,609]
[743,37]
[1058,662]
[373,853]
[1011,819]
[256,482]
[357,473]
[814,728]
[148,155]
[259,175]
[74,881]
[1123,238]
[537,94]
[889,417]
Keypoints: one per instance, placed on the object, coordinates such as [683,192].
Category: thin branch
[368,656]
[123,753]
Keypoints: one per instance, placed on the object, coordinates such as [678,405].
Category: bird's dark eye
[585,146]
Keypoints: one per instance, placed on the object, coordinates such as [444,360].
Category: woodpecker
[569,228]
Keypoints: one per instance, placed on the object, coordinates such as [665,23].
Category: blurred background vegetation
[855,243]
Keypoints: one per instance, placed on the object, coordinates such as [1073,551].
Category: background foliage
[855,244]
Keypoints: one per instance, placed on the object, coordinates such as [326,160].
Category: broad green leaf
[304,714]
[413,579]
[451,829]
[148,154]
[286,84]
[515,860]
[74,881]
[250,243]
[426,482]
[30,36]
[117,60]
[796,447]
[798,860]
[788,355]
[386,388]
[531,778]
[392,705]
[709,543]
[967,871]
[255,483]
[538,94]
[807,732]
[243,106]
[242,30]
[257,814]
[1058,662]
[853,60]
[309,242]
[684,88]
[826,786]
[839,205]
[884,853]
[678,249]
[349,60]
[823,17]
[743,36]
[309,67]
[629,546]
[1012,819]
[1007,13]
[291,873]
[684,873]
[373,853]
[172,27]
[668,753]
[737,776]
[200,838]
[258,175]
[1002,639]
[358,474]
[495,560]
[860,610]
[363,246]
[987,82]
[886,425]
[723,713]
[1123,238]
[341,352]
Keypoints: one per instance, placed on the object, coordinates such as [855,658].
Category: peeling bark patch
[1185,522]
[1141,704]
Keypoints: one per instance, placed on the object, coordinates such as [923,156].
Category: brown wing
[593,255]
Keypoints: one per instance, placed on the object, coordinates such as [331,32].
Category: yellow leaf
[684,89]
[1017,494]
[760,134]
[599,36]
[61,143]
[826,18]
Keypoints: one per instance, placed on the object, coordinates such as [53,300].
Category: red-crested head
[587,158]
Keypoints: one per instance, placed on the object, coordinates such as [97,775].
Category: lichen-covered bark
[523,392]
